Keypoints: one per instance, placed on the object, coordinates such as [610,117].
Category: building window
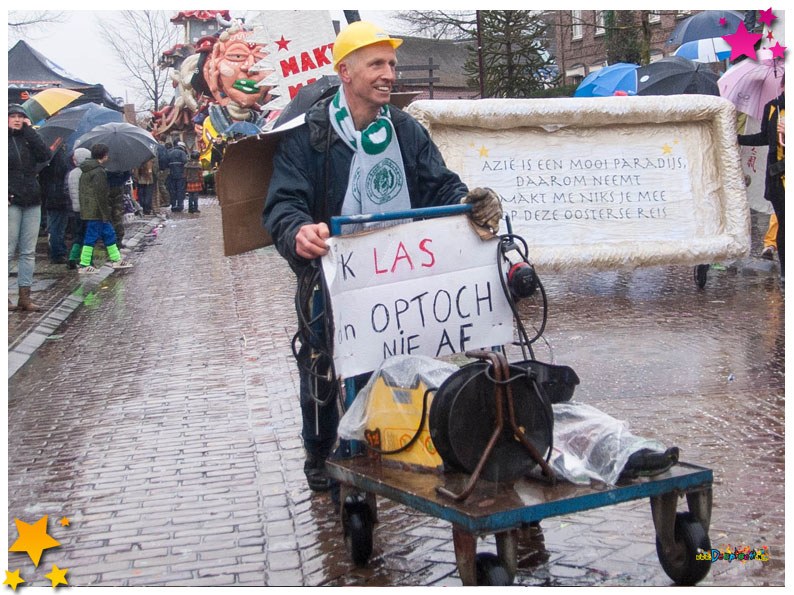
[576,19]
[575,73]
[680,14]
[654,16]
[599,22]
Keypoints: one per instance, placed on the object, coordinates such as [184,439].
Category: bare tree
[138,38]
[31,24]
[441,24]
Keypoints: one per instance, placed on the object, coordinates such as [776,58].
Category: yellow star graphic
[33,539]
[57,576]
[666,149]
[483,151]
[471,145]
[64,522]
[13,579]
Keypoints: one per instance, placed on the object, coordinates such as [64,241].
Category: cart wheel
[701,275]
[681,561]
[490,572]
[358,529]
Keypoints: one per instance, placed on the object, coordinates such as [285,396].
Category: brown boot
[25,303]
[11,306]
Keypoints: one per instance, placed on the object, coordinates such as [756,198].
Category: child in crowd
[76,225]
[195,182]
[95,210]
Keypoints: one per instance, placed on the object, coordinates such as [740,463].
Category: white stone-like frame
[717,182]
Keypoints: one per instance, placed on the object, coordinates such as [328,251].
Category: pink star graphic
[767,17]
[769,35]
[777,50]
[722,21]
[742,42]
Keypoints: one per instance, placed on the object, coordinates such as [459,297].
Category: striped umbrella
[713,49]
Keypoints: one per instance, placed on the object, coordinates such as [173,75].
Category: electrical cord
[316,335]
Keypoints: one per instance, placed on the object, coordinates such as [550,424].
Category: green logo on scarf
[384,182]
[376,137]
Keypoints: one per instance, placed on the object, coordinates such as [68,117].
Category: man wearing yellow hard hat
[354,154]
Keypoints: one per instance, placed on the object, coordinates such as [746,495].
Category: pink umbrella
[751,84]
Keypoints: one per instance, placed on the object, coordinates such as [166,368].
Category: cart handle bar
[426,212]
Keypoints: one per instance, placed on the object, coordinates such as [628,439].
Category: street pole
[352,16]
[479,57]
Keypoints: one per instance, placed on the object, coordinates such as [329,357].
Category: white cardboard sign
[424,288]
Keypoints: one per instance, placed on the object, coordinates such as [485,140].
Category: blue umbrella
[713,49]
[244,128]
[705,25]
[607,80]
[71,123]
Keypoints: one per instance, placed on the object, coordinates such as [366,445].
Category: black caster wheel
[490,572]
[701,275]
[682,561]
[358,528]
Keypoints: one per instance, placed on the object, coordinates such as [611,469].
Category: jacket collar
[317,120]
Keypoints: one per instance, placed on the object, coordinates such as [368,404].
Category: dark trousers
[56,226]
[779,205]
[176,189]
[145,193]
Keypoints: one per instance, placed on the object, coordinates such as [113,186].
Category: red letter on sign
[423,249]
[306,62]
[319,56]
[401,253]
[375,255]
[289,67]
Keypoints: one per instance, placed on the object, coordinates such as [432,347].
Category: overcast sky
[76,46]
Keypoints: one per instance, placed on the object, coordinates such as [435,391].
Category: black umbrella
[307,96]
[71,123]
[705,25]
[129,146]
[675,75]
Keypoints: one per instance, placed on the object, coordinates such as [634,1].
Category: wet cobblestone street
[164,422]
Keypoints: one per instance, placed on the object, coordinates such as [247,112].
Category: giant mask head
[226,70]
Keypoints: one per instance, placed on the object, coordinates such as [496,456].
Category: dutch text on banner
[423,288]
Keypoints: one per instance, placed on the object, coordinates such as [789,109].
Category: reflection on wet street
[165,424]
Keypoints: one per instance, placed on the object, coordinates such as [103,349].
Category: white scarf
[377,182]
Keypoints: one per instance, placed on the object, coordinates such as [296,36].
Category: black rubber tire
[490,572]
[701,275]
[683,566]
[358,537]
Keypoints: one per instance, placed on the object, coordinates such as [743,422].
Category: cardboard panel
[242,182]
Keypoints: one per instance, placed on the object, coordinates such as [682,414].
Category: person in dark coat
[177,158]
[57,202]
[163,198]
[25,151]
[325,149]
[117,181]
[775,183]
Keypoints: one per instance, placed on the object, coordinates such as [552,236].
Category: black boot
[316,477]
[648,462]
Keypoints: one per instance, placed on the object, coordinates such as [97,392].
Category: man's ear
[344,73]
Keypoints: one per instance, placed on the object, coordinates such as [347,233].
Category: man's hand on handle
[310,240]
[486,211]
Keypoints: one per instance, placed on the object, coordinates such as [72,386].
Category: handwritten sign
[423,288]
[614,182]
[300,50]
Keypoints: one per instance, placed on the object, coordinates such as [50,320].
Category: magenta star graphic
[742,42]
[282,43]
[766,17]
[777,50]
[722,21]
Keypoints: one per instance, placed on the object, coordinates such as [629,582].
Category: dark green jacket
[297,192]
[94,192]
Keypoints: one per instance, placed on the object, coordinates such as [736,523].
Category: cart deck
[502,508]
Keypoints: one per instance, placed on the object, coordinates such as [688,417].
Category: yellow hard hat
[357,35]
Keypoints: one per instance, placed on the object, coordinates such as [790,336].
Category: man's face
[371,74]
[15,121]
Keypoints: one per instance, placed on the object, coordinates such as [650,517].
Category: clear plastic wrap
[589,444]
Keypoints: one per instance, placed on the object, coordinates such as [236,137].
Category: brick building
[578,42]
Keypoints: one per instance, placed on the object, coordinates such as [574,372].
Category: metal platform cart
[497,415]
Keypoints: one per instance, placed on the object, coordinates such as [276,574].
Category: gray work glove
[486,211]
